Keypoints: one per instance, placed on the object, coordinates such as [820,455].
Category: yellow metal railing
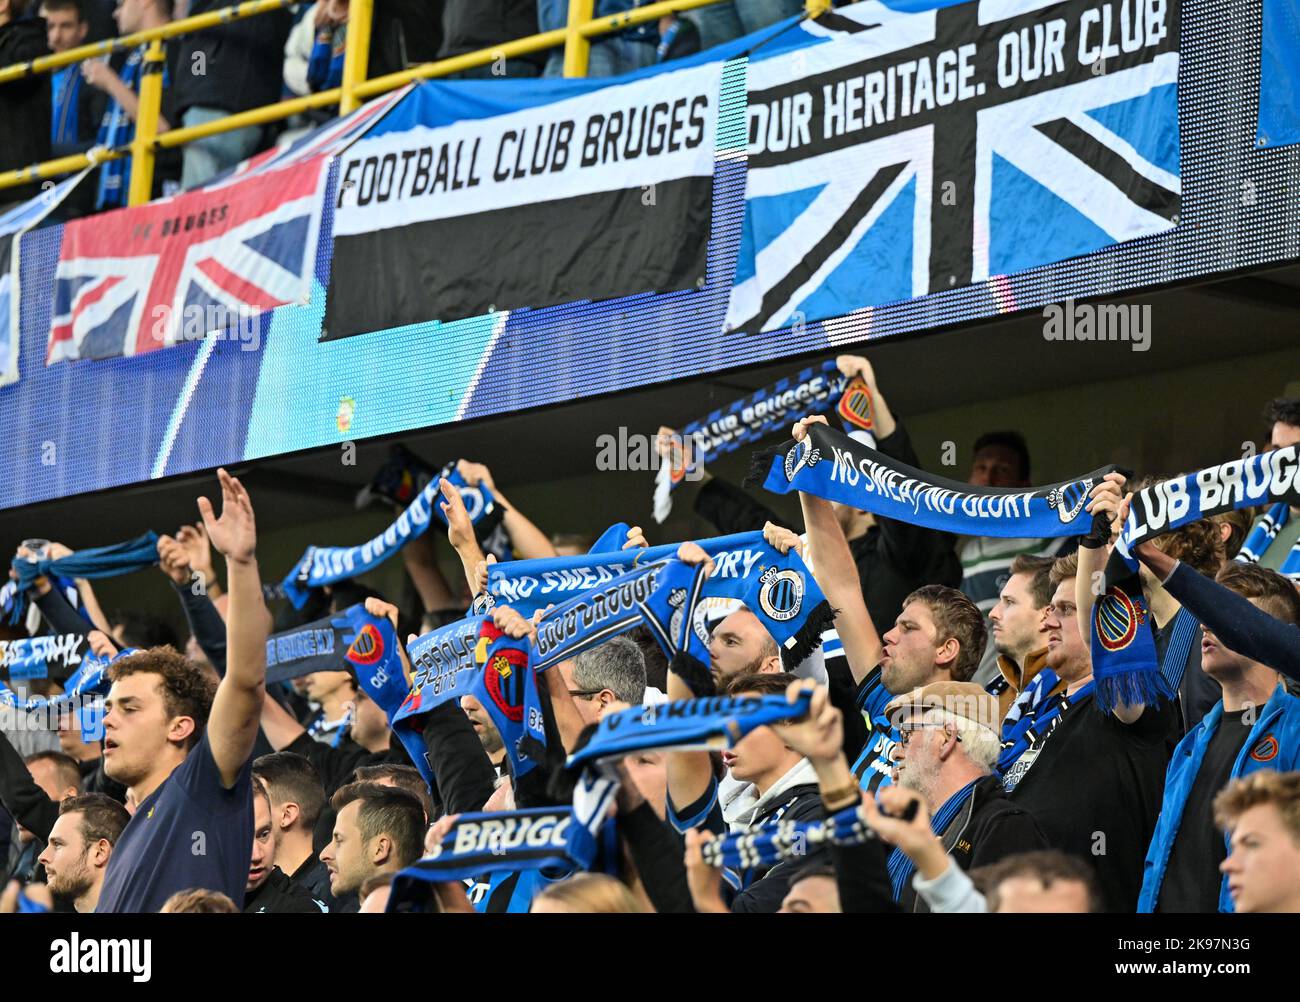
[354,89]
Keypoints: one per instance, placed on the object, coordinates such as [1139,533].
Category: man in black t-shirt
[1093,780]
[182,750]
[268,890]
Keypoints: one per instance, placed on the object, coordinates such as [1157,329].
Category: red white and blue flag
[207,261]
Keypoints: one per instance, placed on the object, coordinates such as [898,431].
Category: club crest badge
[1069,499]
[803,454]
[1266,750]
[855,405]
[1116,620]
[781,594]
[368,647]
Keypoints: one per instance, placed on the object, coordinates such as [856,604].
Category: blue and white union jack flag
[897,154]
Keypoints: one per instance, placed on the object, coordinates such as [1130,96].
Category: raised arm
[460,532]
[237,707]
[1236,621]
[526,539]
[689,773]
[837,576]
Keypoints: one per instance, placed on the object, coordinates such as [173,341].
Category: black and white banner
[478,197]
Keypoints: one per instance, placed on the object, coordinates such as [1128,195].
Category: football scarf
[900,866]
[709,723]
[770,844]
[98,562]
[778,589]
[322,565]
[90,678]
[1261,538]
[1124,663]
[1048,718]
[1028,717]
[33,657]
[834,466]
[351,640]
[404,475]
[761,413]
[559,838]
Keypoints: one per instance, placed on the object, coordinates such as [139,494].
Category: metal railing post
[146,125]
[577,47]
[356,56]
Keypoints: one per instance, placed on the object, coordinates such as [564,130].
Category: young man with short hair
[1255,726]
[80,845]
[269,890]
[1014,628]
[297,800]
[1261,814]
[184,751]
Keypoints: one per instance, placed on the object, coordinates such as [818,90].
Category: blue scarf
[1124,662]
[30,657]
[709,723]
[351,640]
[1028,717]
[98,562]
[89,679]
[778,589]
[404,475]
[767,845]
[557,838]
[322,565]
[116,129]
[1261,538]
[831,465]
[773,408]
[900,865]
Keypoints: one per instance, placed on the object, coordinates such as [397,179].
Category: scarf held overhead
[760,414]
[831,465]
[99,562]
[1124,660]
[322,565]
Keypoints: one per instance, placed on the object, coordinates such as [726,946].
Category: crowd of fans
[245,64]
[951,707]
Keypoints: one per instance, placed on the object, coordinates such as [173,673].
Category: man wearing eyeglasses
[948,744]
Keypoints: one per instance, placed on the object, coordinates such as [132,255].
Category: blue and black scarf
[322,565]
[1261,538]
[404,475]
[778,589]
[767,845]
[560,839]
[709,723]
[36,657]
[763,412]
[98,562]
[832,465]
[90,678]
[352,640]
[1124,662]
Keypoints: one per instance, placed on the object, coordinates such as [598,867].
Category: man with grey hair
[612,673]
[949,743]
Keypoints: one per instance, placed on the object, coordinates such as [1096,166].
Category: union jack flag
[934,149]
[203,262]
